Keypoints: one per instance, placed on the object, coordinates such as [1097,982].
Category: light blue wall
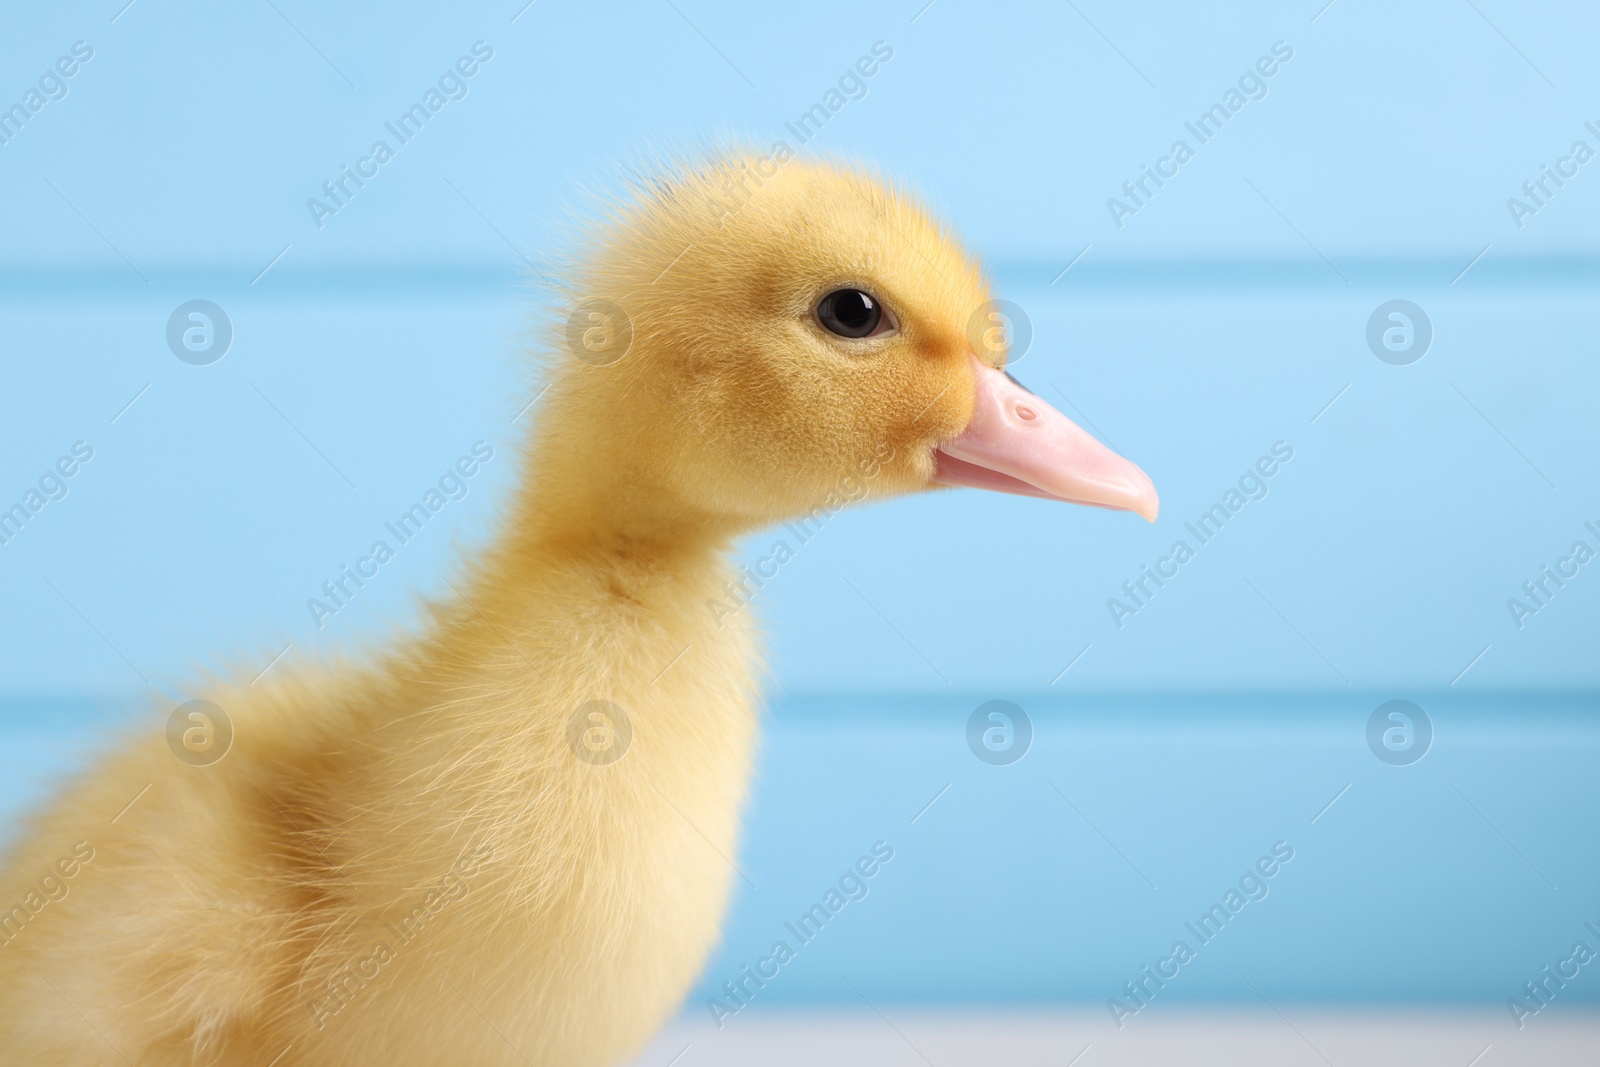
[1412,510]
[197,132]
[1220,319]
[1451,880]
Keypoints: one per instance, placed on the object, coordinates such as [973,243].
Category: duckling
[509,838]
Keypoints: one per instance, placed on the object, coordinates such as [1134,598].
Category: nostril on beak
[1025,413]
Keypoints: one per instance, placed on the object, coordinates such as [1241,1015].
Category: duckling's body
[442,856]
[240,909]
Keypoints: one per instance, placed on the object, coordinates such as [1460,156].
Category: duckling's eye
[850,313]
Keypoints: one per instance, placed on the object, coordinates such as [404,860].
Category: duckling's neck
[592,556]
[601,501]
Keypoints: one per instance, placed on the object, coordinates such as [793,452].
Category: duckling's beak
[1016,443]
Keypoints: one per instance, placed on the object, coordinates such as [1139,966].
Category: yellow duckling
[509,839]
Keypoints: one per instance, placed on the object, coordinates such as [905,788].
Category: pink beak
[1016,443]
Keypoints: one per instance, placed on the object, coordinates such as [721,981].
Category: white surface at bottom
[1311,1037]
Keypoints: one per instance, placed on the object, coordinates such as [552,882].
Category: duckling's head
[754,336]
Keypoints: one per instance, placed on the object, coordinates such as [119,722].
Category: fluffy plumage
[565,906]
